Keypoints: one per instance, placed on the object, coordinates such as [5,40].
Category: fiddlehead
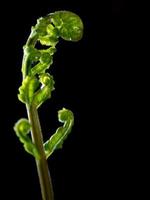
[38,84]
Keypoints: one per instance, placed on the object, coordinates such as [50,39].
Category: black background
[96,79]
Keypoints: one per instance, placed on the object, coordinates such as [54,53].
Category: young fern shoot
[37,86]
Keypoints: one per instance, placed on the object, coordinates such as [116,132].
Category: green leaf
[22,129]
[69,24]
[31,55]
[29,86]
[56,140]
[48,40]
[44,92]
[44,63]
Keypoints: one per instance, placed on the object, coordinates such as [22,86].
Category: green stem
[42,166]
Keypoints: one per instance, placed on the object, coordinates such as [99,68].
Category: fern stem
[42,166]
